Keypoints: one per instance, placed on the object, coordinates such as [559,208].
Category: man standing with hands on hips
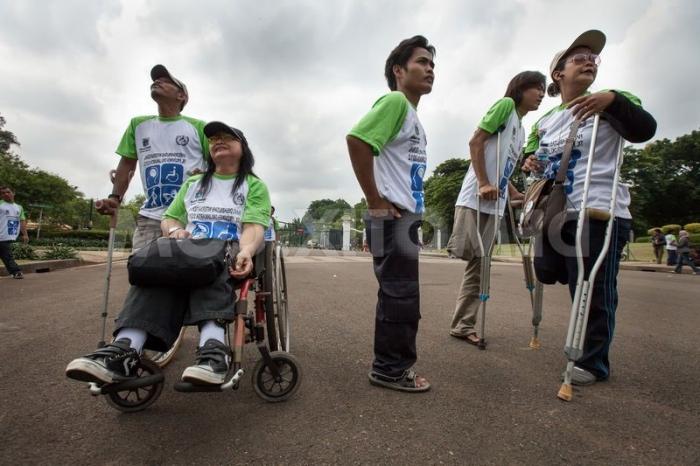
[387,151]
[167,148]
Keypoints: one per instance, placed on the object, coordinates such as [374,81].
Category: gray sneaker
[112,363]
[211,365]
[581,377]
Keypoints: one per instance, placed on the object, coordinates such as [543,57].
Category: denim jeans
[560,264]
[6,257]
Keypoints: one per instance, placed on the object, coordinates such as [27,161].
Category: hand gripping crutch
[110,253]
[485,270]
[575,337]
[533,286]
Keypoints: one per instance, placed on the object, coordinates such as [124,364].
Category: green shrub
[23,251]
[650,231]
[59,251]
[666,229]
[692,228]
[643,239]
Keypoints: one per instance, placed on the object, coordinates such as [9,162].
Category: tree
[326,211]
[664,179]
[441,191]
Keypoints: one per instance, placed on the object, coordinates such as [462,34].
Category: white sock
[210,329]
[136,335]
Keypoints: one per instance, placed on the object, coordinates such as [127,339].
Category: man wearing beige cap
[167,148]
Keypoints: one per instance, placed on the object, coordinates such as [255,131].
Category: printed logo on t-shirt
[238,199]
[553,168]
[12,227]
[417,173]
[162,184]
[145,145]
[218,230]
[182,140]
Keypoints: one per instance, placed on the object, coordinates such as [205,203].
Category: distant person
[387,151]
[684,253]
[166,148]
[13,223]
[658,241]
[523,95]
[272,229]
[671,249]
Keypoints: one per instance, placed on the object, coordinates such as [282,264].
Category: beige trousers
[464,243]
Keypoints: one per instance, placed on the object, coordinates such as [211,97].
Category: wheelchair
[277,374]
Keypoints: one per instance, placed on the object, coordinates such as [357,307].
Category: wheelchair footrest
[188,387]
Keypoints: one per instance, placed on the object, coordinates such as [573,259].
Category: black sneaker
[17,276]
[211,365]
[113,363]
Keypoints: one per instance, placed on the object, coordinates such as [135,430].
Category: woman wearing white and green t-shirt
[524,94]
[228,202]
[573,71]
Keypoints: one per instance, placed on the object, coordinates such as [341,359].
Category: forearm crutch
[485,269]
[533,286]
[578,321]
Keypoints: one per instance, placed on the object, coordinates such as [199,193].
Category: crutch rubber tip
[535,343]
[566,392]
[482,344]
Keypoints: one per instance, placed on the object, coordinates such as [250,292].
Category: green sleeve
[631,97]
[497,115]
[176,210]
[203,141]
[383,122]
[127,146]
[533,140]
[22,215]
[257,203]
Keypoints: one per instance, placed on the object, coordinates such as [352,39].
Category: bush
[81,234]
[650,231]
[692,228]
[23,251]
[60,251]
[666,229]
[692,238]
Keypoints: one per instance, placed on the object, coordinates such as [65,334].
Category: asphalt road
[497,406]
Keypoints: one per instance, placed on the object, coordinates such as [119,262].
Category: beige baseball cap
[160,71]
[593,39]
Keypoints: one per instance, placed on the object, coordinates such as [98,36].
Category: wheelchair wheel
[272,390]
[269,286]
[137,399]
[280,301]
[161,358]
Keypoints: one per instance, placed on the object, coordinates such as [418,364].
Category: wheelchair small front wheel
[272,390]
[138,399]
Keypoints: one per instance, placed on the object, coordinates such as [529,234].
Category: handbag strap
[564,164]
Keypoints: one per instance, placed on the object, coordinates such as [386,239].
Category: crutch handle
[516,204]
[597,214]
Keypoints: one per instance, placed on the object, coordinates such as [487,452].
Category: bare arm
[477,145]
[362,159]
[167,223]
[251,240]
[23,230]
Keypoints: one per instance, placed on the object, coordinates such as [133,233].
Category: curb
[46,266]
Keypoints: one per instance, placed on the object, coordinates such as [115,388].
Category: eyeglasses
[223,137]
[582,58]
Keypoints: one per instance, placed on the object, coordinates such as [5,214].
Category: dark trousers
[394,247]
[658,252]
[7,259]
[684,259]
[672,257]
[560,264]
[161,312]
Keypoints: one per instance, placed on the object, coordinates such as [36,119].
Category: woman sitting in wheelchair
[228,202]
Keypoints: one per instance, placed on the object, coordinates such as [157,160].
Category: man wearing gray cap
[167,148]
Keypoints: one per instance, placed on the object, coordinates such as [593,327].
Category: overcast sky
[296,75]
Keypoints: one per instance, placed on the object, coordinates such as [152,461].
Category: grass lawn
[641,252]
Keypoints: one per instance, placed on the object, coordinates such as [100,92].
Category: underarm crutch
[485,269]
[534,287]
[580,307]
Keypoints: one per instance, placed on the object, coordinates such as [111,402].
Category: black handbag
[181,263]
[544,206]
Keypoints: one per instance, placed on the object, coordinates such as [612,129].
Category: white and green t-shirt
[547,140]
[271,232]
[11,215]
[502,118]
[218,213]
[168,151]
[398,140]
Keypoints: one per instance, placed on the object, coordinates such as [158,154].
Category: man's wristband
[172,230]
[115,196]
